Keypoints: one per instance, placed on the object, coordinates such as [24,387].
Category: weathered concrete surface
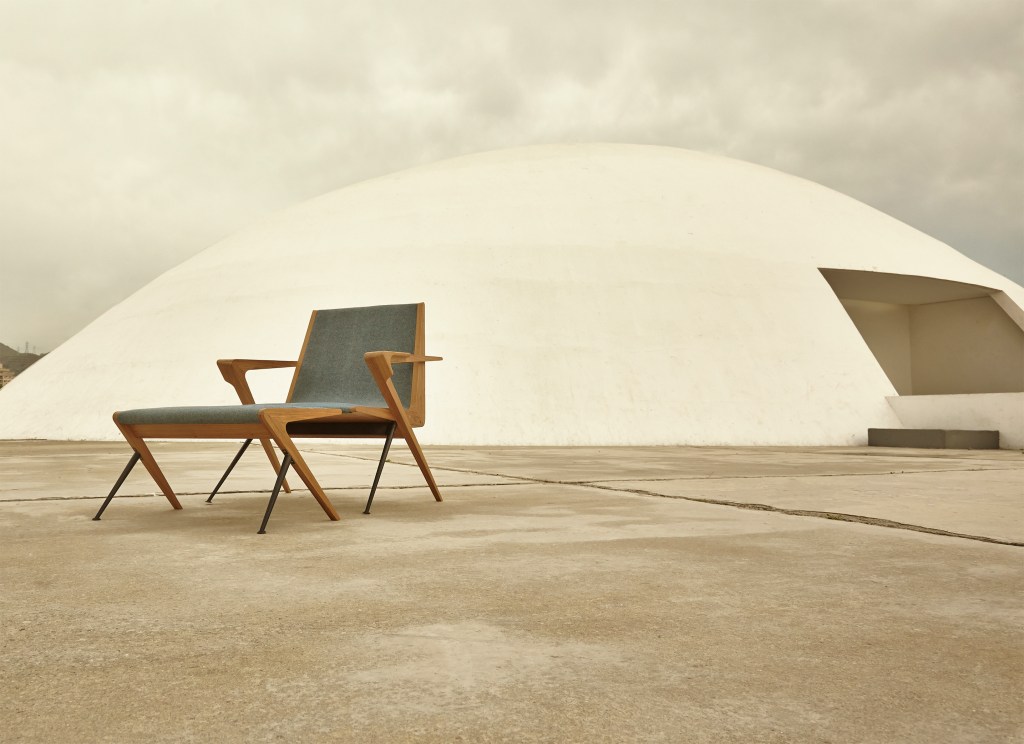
[973,492]
[988,503]
[519,611]
[591,464]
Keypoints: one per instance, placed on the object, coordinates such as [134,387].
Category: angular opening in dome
[933,336]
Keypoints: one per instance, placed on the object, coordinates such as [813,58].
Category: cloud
[137,134]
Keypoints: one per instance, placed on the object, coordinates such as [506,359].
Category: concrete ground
[592,594]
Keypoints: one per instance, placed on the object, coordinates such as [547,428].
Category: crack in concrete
[598,485]
[834,516]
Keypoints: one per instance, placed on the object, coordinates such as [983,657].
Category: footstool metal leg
[273,496]
[128,468]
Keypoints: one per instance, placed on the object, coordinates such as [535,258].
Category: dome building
[580,295]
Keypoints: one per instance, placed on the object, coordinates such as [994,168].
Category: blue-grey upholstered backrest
[333,369]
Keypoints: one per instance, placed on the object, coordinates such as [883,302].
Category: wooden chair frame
[284,425]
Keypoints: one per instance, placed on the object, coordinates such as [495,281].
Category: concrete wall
[885,327]
[947,346]
[1003,412]
[966,346]
[583,294]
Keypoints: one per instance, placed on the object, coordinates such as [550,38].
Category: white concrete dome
[580,294]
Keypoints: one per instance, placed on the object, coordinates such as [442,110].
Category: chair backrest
[331,366]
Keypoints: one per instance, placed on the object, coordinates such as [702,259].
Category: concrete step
[934,438]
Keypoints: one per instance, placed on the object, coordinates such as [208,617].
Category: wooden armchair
[346,384]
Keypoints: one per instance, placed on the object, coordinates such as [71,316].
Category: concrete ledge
[934,438]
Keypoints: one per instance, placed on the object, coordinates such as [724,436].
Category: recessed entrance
[932,336]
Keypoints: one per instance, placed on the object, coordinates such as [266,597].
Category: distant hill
[17,361]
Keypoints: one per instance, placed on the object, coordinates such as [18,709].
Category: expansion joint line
[835,516]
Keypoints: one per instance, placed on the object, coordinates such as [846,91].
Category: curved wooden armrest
[380,362]
[400,358]
[244,365]
[233,371]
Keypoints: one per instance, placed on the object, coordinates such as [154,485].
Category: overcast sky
[135,134]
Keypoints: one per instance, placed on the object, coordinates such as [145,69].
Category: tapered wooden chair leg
[276,423]
[149,462]
[421,460]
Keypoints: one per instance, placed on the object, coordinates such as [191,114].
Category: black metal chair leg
[227,472]
[273,496]
[128,468]
[380,467]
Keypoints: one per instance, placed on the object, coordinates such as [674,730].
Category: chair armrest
[380,362]
[234,370]
[400,358]
[244,365]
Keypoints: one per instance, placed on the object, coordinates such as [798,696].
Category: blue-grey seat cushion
[240,414]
